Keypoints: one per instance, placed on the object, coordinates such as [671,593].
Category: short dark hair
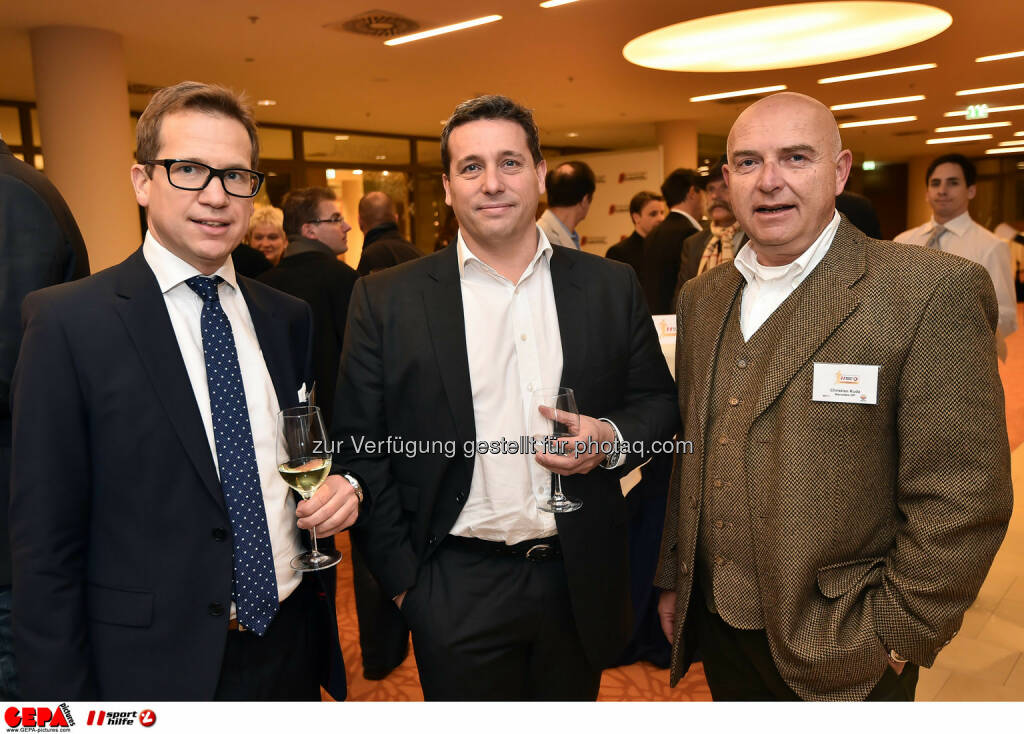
[491,107]
[639,201]
[965,163]
[300,207]
[715,174]
[678,184]
[212,99]
[568,183]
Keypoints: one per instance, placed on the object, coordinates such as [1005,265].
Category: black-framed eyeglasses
[195,176]
[336,219]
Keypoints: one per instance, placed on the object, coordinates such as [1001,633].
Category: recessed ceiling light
[385,173]
[1019,134]
[882,121]
[381,157]
[331,174]
[960,139]
[738,93]
[341,137]
[1000,57]
[266,102]
[985,90]
[442,30]
[999,151]
[880,72]
[357,171]
[572,135]
[1010,144]
[877,102]
[786,36]
[556,3]
[868,166]
[976,126]
[1008,108]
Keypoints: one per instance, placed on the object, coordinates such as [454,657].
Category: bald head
[375,209]
[786,166]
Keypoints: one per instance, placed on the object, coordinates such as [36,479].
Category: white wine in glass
[304,463]
[554,416]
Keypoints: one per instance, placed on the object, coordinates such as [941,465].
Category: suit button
[682,567]
[717,482]
[719,524]
[431,540]
[460,498]
[742,363]
[220,534]
[693,501]
[215,609]
[734,402]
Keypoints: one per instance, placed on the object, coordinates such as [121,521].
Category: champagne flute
[553,415]
[304,461]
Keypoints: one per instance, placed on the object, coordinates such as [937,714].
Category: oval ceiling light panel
[786,36]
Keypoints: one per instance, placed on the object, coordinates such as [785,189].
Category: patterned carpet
[641,681]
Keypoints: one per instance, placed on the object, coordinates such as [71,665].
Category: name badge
[845,383]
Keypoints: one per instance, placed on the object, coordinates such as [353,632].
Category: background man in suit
[647,210]
[855,485]
[505,601]
[664,245]
[40,245]
[150,530]
[570,188]
[951,186]
[717,244]
[383,245]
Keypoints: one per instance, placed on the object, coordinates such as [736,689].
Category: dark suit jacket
[249,261]
[629,251]
[121,537]
[872,524]
[40,245]
[383,248]
[325,283]
[405,372]
[693,251]
[662,256]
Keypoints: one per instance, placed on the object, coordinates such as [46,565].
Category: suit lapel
[141,307]
[825,303]
[272,333]
[573,324]
[442,302]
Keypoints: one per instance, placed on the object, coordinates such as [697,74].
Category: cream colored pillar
[84,122]
[918,211]
[678,141]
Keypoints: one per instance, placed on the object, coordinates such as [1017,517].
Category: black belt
[538,549]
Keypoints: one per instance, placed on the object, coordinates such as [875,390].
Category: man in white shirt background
[950,181]
[570,188]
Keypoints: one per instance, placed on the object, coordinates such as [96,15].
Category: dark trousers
[487,627]
[739,666]
[283,665]
[383,634]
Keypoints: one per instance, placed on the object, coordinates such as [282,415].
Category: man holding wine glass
[514,587]
[146,437]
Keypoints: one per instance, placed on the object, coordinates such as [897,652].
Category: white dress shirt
[968,239]
[185,307]
[768,286]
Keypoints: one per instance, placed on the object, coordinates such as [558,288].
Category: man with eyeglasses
[151,534]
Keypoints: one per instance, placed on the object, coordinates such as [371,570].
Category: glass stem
[557,486]
[312,534]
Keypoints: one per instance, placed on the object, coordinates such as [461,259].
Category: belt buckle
[539,552]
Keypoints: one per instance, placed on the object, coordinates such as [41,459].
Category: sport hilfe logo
[146,717]
[38,717]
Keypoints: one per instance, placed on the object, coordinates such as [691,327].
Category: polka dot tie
[254,586]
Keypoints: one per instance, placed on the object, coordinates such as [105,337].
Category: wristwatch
[897,658]
[355,485]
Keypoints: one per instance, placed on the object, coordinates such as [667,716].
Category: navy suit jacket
[121,538]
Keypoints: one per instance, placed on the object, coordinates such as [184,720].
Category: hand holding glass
[554,416]
[304,464]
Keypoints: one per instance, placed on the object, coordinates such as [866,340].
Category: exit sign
[977,111]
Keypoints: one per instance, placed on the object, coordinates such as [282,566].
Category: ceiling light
[984,90]
[385,173]
[883,121]
[1000,57]
[1010,144]
[998,151]
[381,157]
[880,72]
[959,139]
[442,30]
[976,126]
[1008,108]
[341,137]
[786,36]
[556,3]
[358,171]
[572,135]
[331,174]
[1019,134]
[738,93]
[867,166]
[266,102]
[877,102]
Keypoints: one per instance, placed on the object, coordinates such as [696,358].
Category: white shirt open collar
[746,261]
[466,255]
[171,271]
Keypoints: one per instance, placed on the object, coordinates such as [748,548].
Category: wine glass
[553,415]
[304,461]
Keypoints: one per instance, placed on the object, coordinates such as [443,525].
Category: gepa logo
[38,717]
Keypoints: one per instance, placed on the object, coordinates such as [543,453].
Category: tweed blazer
[874,525]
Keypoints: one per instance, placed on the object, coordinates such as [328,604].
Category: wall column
[678,141]
[918,211]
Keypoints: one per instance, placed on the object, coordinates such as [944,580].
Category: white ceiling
[566,63]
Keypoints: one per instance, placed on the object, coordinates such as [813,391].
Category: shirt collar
[689,216]
[171,271]
[466,255]
[957,225]
[752,270]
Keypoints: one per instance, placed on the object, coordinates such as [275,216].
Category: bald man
[849,481]
[383,246]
